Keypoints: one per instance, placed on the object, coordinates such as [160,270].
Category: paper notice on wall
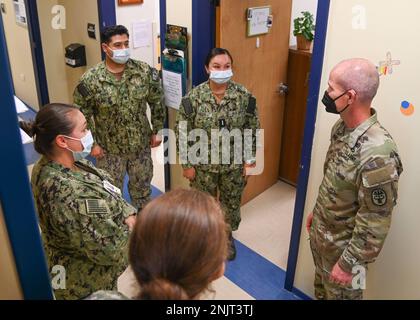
[20,12]
[172,85]
[142,34]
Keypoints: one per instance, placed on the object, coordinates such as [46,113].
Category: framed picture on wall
[128,2]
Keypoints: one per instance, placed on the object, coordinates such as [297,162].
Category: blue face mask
[87,143]
[121,56]
[221,77]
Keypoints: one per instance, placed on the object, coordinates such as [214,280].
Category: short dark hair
[52,120]
[217,52]
[111,31]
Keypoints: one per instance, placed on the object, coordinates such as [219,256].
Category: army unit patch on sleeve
[83,90]
[379,197]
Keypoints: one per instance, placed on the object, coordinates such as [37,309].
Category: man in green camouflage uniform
[113,97]
[201,111]
[82,226]
[352,215]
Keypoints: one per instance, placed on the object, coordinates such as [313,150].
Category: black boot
[232,248]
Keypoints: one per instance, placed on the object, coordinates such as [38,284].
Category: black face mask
[330,105]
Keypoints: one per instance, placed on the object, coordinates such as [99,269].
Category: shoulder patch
[252,105]
[186,102]
[379,197]
[379,176]
[83,90]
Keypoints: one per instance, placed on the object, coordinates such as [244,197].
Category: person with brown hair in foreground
[178,247]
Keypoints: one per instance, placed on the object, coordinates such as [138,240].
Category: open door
[261,69]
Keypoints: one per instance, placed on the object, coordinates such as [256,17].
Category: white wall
[299,6]
[148,11]
[79,13]
[20,57]
[9,280]
[395,274]
[53,51]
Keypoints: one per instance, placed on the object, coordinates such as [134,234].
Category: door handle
[282,89]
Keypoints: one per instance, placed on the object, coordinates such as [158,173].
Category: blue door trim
[37,52]
[162,8]
[16,196]
[204,26]
[107,17]
[311,112]
[162,15]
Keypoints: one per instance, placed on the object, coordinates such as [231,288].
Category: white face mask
[121,56]
[221,77]
[87,143]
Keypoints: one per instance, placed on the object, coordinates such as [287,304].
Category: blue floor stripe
[257,276]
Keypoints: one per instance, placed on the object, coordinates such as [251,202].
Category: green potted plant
[304,28]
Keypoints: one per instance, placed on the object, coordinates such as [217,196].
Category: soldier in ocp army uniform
[114,96]
[352,214]
[224,106]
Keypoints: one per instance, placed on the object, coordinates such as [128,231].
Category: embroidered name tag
[111,188]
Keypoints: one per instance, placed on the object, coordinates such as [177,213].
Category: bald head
[360,75]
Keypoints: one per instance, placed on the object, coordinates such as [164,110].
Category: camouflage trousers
[229,185]
[138,166]
[83,277]
[324,288]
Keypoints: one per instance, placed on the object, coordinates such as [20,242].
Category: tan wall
[9,281]
[147,11]
[20,56]
[179,12]
[389,28]
[79,14]
[53,50]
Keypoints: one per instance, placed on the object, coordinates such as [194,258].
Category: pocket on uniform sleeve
[380,189]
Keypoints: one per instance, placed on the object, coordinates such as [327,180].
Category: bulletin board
[260,21]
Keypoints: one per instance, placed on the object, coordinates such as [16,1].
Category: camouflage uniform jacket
[352,214]
[107,295]
[82,224]
[116,110]
[207,114]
